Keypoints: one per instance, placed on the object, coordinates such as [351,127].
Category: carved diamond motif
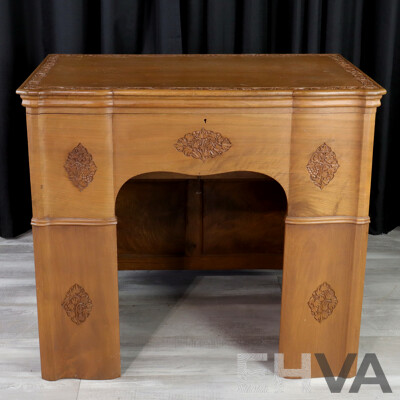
[322,302]
[80,167]
[322,166]
[77,304]
[203,144]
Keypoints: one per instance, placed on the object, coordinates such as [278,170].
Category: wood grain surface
[295,133]
[64,72]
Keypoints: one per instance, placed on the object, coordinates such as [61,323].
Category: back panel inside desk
[228,221]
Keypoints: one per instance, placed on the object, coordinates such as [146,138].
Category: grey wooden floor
[181,332]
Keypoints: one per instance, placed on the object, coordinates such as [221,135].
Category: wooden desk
[95,122]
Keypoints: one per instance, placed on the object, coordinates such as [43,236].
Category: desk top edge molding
[365,87]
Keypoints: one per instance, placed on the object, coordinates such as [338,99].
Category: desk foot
[77,294]
[322,290]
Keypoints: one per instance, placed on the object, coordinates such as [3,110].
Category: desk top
[269,73]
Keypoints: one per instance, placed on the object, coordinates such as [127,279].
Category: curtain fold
[365,32]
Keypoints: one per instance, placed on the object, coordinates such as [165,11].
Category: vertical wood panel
[83,255]
[315,254]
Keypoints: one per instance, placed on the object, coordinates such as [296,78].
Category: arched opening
[232,220]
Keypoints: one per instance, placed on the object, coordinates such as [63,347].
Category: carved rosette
[322,166]
[322,302]
[80,167]
[203,144]
[77,304]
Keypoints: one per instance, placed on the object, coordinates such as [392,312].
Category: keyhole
[205,120]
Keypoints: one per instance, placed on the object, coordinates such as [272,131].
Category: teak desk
[97,121]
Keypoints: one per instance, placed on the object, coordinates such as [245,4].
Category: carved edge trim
[330,219]
[365,82]
[34,81]
[73,221]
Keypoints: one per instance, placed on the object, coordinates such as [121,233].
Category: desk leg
[77,295]
[323,280]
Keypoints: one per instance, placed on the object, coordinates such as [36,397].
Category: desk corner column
[77,294]
[75,245]
[322,290]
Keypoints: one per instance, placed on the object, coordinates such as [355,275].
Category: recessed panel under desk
[222,222]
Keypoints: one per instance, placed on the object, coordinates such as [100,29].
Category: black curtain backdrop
[365,32]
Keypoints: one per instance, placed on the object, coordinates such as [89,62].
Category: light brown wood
[96,122]
[86,256]
[314,255]
[119,73]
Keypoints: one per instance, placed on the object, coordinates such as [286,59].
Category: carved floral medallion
[322,302]
[77,304]
[80,167]
[322,165]
[203,144]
